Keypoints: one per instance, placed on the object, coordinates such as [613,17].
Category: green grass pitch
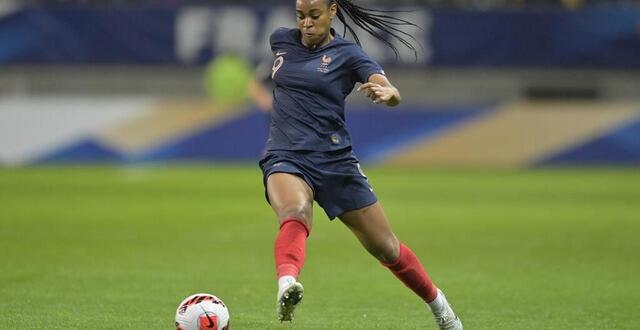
[118,248]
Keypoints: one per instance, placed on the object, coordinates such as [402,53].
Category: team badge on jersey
[324,66]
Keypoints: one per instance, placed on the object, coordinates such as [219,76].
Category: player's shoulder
[349,48]
[281,34]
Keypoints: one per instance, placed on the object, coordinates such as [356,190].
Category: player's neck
[322,43]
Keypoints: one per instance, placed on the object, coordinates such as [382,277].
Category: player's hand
[378,94]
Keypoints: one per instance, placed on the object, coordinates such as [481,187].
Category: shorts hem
[333,216]
[298,174]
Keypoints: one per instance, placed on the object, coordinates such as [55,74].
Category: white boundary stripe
[32,127]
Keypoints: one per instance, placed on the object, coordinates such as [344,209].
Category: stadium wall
[141,131]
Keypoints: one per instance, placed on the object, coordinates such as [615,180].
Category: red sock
[290,248]
[411,272]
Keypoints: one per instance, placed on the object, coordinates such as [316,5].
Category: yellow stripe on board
[167,120]
[518,134]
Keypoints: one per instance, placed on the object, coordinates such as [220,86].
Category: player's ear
[333,9]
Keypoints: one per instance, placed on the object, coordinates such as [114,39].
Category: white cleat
[288,300]
[446,318]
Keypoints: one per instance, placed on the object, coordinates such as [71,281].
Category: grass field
[118,248]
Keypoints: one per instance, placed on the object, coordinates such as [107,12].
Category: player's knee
[388,251]
[298,211]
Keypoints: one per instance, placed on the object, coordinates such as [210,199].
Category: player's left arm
[380,90]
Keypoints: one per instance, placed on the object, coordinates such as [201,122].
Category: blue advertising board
[592,38]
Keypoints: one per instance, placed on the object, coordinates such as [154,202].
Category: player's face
[314,20]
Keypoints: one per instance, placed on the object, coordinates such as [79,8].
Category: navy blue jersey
[310,91]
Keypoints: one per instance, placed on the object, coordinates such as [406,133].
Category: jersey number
[276,65]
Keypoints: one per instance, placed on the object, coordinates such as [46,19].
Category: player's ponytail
[375,22]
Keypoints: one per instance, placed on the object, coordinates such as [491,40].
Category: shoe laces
[446,318]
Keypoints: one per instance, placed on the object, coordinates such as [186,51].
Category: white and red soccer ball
[202,311]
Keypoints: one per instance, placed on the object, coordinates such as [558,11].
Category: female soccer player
[309,153]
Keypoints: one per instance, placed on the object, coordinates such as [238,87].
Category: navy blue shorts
[338,183]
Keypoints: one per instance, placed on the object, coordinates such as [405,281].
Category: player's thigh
[371,227]
[290,196]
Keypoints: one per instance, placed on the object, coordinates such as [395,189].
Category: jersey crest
[324,65]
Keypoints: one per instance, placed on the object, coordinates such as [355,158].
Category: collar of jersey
[336,39]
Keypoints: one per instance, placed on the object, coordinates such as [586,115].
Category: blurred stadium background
[498,83]
[519,134]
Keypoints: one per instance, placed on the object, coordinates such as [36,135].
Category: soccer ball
[202,311]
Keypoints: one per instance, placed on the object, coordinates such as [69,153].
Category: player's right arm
[380,90]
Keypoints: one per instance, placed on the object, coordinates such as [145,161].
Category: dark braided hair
[376,23]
